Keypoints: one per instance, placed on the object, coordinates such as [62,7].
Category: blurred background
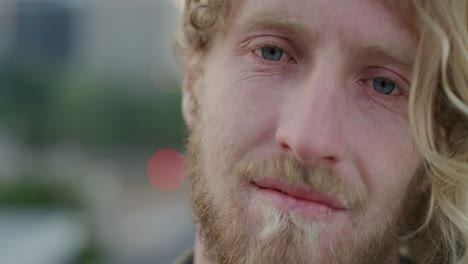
[88,92]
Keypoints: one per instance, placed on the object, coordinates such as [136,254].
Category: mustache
[319,178]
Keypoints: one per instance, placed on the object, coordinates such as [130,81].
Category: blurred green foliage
[39,194]
[43,106]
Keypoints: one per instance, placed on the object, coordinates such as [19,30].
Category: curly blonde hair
[438,116]
[438,111]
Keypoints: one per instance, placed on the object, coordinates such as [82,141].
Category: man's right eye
[272,53]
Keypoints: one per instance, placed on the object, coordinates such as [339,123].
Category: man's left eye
[384,86]
[272,53]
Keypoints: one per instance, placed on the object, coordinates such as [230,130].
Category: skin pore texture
[310,95]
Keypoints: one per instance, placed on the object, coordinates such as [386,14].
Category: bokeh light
[166,170]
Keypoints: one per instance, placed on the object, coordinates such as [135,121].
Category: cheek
[238,117]
[241,110]
[386,159]
[384,152]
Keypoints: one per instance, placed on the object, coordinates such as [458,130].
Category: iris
[272,53]
[383,86]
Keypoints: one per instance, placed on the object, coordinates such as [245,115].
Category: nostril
[284,146]
[330,159]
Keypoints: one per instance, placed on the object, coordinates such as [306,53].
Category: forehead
[401,11]
[357,21]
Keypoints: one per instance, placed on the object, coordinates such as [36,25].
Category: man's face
[301,150]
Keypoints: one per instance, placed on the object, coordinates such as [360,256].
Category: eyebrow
[264,20]
[393,54]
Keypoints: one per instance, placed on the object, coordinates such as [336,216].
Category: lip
[298,197]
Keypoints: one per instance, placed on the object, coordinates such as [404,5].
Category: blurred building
[127,37]
[131,39]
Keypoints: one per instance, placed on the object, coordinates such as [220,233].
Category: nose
[311,123]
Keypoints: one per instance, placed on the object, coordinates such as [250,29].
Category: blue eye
[383,86]
[272,53]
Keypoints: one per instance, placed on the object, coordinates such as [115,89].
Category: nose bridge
[319,95]
[311,124]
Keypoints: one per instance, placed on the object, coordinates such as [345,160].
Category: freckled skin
[317,103]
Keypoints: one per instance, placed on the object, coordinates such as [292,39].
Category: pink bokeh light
[166,170]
